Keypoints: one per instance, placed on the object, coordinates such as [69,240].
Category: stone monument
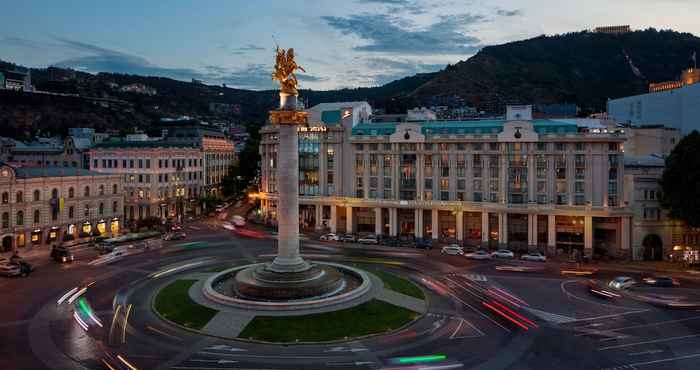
[288,276]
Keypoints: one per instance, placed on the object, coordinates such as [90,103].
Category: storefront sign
[312,129]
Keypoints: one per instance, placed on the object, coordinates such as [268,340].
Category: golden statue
[284,71]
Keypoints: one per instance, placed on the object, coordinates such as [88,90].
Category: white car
[10,269]
[452,249]
[622,282]
[478,255]
[368,239]
[228,226]
[534,256]
[238,221]
[330,237]
[503,253]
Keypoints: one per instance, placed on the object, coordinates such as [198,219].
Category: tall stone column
[393,222]
[459,224]
[484,229]
[625,230]
[418,220]
[288,258]
[434,223]
[349,222]
[551,234]
[334,218]
[588,236]
[378,221]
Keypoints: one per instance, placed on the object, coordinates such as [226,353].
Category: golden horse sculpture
[284,71]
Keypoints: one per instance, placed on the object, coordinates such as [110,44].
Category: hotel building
[43,206]
[517,183]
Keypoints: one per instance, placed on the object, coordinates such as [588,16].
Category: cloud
[509,13]
[388,34]
[387,70]
[251,47]
[397,6]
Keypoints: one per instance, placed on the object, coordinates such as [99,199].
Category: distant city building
[420,114]
[60,74]
[224,108]
[689,76]
[613,30]
[18,80]
[518,183]
[53,152]
[675,108]
[139,89]
[558,110]
[44,206]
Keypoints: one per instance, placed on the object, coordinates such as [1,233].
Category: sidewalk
[650,267]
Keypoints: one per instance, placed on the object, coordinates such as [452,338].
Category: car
[622,282]
[10,270]
[238,221]
[368,239]
[534,256]
[175,236]
[228,226]
[348,238]
[391,241]
[330,237]
[661,281]
[452,249]
[478,255]
[62,255]
[503,253]
[424,243]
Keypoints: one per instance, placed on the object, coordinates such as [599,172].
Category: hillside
[585,68]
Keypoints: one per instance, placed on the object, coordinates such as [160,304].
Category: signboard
[312,129]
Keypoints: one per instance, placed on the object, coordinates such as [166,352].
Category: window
[37,195]
[444,184]
[478,146]
[114,206]
[87,210]
[444,195]
[5,197]
[580,146]
[102,190]
[71,212]
[87,191]
[560,147]
[461,184]
[102,208]
[114,189]
[613,147]
[123,163]
[541,146]
[71,193]
[20,197]
[493,146]
[94,163]
[5,220]
[20,218]
[148,163]
[428,183]
[37,216]
[54,194]
[140,163]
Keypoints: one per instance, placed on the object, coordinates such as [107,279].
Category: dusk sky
[340,43]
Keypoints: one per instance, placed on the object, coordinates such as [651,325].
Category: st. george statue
[284,71]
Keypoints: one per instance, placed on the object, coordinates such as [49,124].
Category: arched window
[114,189]
[102,208]
[87,191]
[37,195]
[102,190]
[5,220]
[114,207]
[71,193]
[70,212]
[87,210]
[54,193]
[5,198]
[20,218]
[20,197]
[37,216]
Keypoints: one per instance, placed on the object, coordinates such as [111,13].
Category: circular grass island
[374,316]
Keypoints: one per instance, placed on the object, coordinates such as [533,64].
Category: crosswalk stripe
[549,317]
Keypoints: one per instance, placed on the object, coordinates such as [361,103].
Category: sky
[340,43]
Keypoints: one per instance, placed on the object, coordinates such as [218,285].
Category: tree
[244,172]
[681,181]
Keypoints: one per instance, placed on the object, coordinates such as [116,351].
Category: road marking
[356,363]
[223,347]
[461,323]
[550,317]
[268,357]
[346,349]
[646,325]
[649,352]
[475,277]
[657,361]
[477,311]
[149,327]
[219,361]
[610,315]
[648,342]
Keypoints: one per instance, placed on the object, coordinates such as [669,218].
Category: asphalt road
[479,317]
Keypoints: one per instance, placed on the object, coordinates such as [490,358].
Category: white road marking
[648,342]
[550,317]
[461,323]
[649,352]
[223,347]
[346,349]
[475,277]
[610,315]
[356,363]
[477,311]
[645,325]
[660,361]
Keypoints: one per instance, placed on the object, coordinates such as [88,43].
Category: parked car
[478,255]
[228,226]
[348,238]
[62,255]
[452,249]
[424,243]
[19,268]
[368,239]
[534,256]
[622,282]
[330,237]
[661,281]
[503,253]
[391,242]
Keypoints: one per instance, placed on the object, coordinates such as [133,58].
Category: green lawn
[368,318]
[399,284]
[174,303]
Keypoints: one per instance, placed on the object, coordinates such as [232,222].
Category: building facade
[516,183]
[72,151]
[45,206]
[161,179]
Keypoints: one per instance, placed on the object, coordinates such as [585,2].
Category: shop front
[85,230]
[101,227]
[70,233]
[53,234]
[36,237]
[114,226]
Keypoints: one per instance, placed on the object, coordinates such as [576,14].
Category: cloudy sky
[341,43]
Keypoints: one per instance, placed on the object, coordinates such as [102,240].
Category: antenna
[277,45]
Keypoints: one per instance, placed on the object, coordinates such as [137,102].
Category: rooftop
[33,172]
[142,144]
[542,126]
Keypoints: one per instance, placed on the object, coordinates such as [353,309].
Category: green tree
[245,172]
[681,181]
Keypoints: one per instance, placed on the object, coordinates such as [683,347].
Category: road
[554,323]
